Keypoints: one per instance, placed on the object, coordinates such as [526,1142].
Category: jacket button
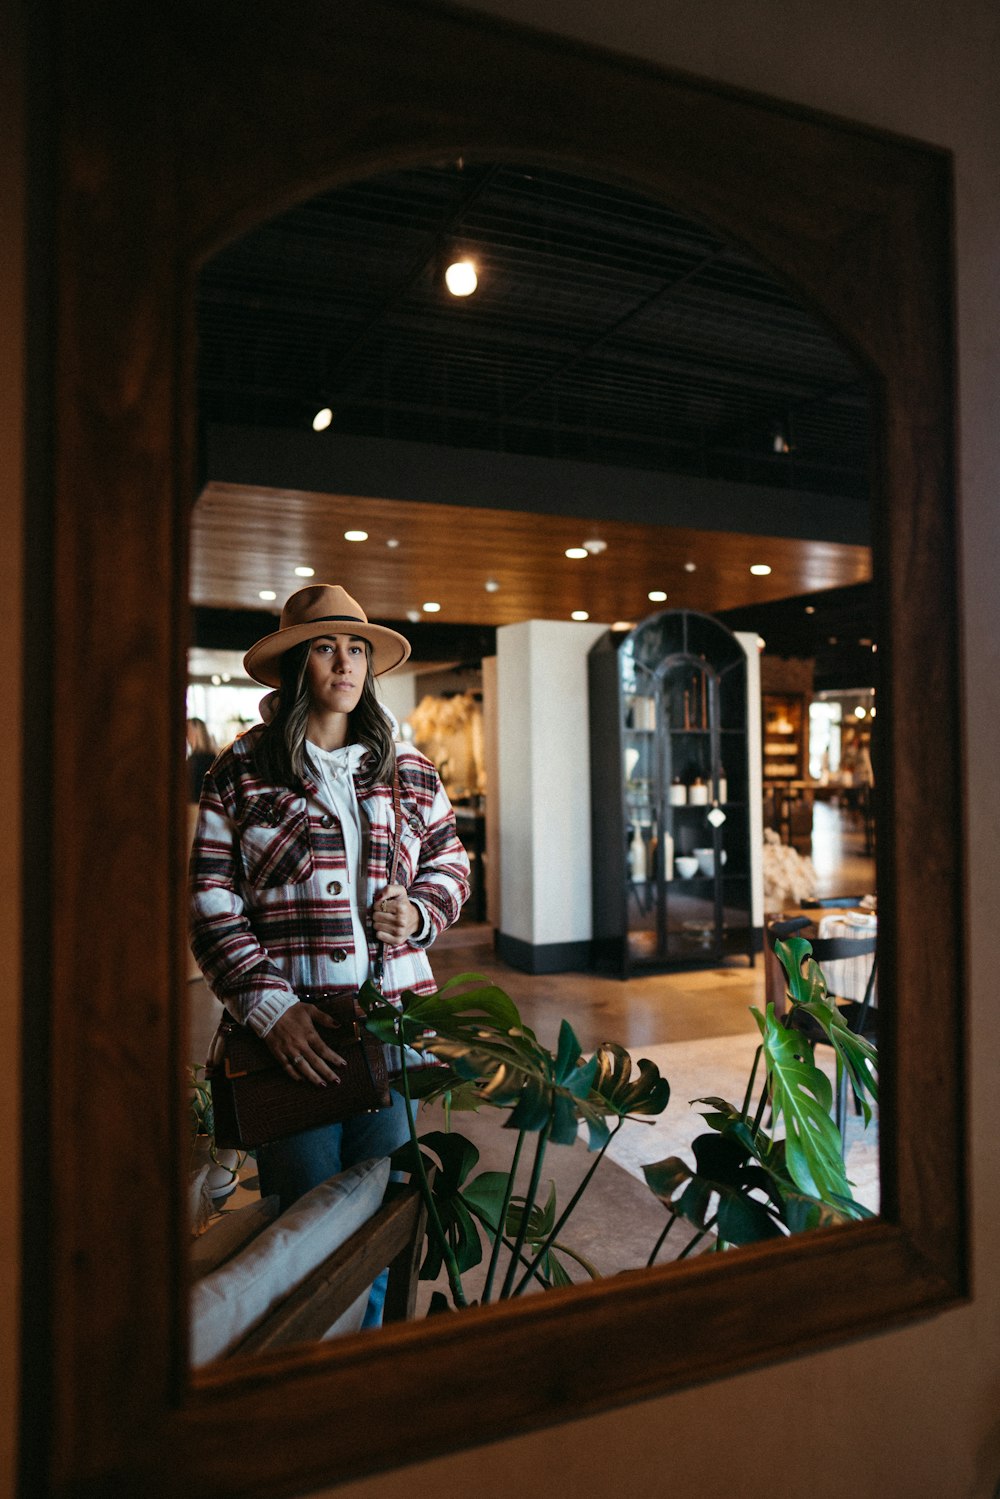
[415,823]
[326,821]
[339,954]
[333,888]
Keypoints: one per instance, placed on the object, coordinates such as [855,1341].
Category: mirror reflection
[615,498]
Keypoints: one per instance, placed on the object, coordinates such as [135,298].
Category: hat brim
[262,661]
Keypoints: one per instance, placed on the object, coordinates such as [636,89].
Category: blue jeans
[290,1168]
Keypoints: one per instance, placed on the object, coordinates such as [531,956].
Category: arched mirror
[204,137]
[620,373]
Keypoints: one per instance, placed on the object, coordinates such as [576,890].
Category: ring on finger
[297,1060]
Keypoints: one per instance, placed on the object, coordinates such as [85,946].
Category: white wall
[543,775]
[399,693]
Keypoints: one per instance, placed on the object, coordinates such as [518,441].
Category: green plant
[486,1057]
[746,1183]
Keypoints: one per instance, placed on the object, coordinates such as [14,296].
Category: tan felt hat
[322,609]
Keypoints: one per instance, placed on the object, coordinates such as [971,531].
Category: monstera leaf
[801,1094]
[451,1010]
[807,990]
[485,1197]
[455,1158]
[719,1187]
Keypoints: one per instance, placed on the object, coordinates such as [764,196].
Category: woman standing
[289,869]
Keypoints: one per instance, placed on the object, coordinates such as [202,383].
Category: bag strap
[378,968]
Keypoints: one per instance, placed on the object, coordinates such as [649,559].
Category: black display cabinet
[669,795]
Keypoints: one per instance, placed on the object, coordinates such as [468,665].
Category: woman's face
[335,672]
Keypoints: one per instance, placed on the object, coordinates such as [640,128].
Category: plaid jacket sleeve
[438,863]
[235,964]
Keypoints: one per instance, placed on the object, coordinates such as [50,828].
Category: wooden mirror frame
[175,132]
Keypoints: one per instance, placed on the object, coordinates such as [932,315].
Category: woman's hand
[299,1047]
[394,916]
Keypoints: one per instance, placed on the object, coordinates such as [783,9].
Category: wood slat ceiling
[245,539]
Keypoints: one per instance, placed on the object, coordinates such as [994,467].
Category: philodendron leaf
[801,1094]
[805,978]
[456,1157]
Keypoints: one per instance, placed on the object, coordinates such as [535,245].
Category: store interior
[626,419]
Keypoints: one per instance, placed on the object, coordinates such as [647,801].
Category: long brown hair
[281,756]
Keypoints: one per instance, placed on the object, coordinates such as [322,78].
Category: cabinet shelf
[679,666]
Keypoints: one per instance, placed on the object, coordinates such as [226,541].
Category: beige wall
[922,1405]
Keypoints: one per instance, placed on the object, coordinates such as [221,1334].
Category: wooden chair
[392,1238]
[859,1015]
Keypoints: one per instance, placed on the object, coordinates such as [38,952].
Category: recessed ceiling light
[216,680]
[859,712]
[355,535]
[322,419]
[576,552]
[305,572]
[872,712]
[491,585]
[413,615]
[760,569]
[227,676]
[690,567]
[431,608]
[595,546]
[810,608]
[657,596]
[832,640]
[622,625]
[267,593]
[461,279]
[392,543]
[579,614]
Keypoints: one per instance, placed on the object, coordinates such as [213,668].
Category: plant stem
[560,1222]
[529,1202]
[697,1238]
[501,1222]
[660,1241]
[749,1093]
[434,1219]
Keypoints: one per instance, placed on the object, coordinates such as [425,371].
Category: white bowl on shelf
[685,866]
[706,860]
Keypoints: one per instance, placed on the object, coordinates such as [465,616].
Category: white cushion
[232,1300]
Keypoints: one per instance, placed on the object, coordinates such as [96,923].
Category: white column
[755,788]
[543,793]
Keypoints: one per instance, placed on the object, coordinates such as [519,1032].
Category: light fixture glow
[810,608]
[322,419]
[413,615]
[491,585]
[859,712]
[623,624]
[576,552]
[305,572]
[392,543]
[690,567]
[460,278]
[432,608]
[216,680]
[657,596]
[595,546]
[759,569]
[871,712]
[355,535]
[579,614]
[267,593]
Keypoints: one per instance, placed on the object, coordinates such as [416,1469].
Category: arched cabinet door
[177,128]
[669,727]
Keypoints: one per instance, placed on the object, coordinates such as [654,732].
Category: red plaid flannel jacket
[269,895]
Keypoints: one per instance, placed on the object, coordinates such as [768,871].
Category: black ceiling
[606,328]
